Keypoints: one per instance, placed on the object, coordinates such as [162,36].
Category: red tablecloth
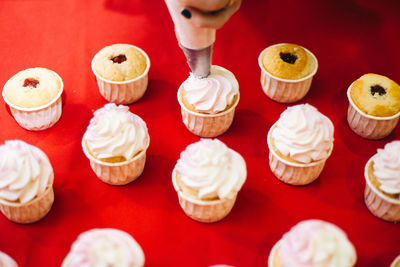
[349,38]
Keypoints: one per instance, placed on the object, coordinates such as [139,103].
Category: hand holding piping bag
[196,22]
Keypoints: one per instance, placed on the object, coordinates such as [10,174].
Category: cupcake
[313,243]
[382,189]
[122,72]
[115,142]
[104,247]
[26,182]
[374,106]
[7,261]
[299,144]
[396,262]
[34,98]
[208,104]
[207,178]
[286,72]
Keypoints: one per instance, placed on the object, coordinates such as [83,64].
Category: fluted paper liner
[207,125]
[379,204]
[201,210]
[119,173]
[291,172]
[367,126]
[285,90]
[31,211]
[123,92]
[39,118]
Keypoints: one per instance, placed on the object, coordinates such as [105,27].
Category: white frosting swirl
[116,132]
[303,134]
[211,169]
[7,261]
[316,243]
[386,165]
[105,247]
[212,94]
[25,172]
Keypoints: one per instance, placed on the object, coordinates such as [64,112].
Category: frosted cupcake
[208,104]
[382,189]
[115,142]
[105,247]
[286,72]
[313,243]
[207,178]
[7,261]
[122,72]
[374,106]
[299,144]
[34,97]
[26,182]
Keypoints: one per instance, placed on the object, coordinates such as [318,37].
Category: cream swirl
[211,169]
[116,132]
[25,172]
[318,244]
[303,134]
[386,165]
[212,94]
[7,261]
[105,247]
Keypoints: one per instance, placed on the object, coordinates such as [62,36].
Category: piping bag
[196,42]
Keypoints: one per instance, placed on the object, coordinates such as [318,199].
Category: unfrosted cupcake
[26,182]
[207,178]
[105,247]
[286,72]
[7,261]
[374,106]
[299,144]
[122,72]
[34,97]
[115,142]
[382,189]
[313,243]
[208,104]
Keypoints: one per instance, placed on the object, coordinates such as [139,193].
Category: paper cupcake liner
[284,90]
[272,258]
[7,261]
[379,204]
[207,125]
[123,92]
[31,211]
[291,172]
[200,210]
[369,127]
[40,118]
[396,262]
[120,173]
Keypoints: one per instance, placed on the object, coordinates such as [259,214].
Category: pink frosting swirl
[315,243]
[212,94]
[387,167]
[114,131]
[25,171]
[105,247]
[303,134]
[7,261]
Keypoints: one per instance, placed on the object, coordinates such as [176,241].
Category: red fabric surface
[349,38]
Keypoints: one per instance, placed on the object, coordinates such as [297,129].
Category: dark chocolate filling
[377,89]
[288,57]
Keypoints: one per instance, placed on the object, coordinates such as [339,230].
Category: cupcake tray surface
[349,38]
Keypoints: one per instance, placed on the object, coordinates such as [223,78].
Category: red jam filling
[288,57]
[31,82]
[377,89]
[119,59]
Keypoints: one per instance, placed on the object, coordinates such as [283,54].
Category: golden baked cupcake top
[288,61]
[32,88]
[376,95]
[120,62]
